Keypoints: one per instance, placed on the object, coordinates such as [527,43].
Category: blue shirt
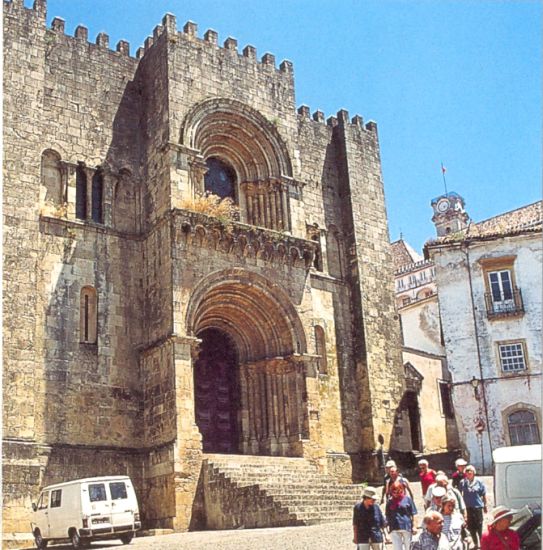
[401,517]
[369,522]
[473,493]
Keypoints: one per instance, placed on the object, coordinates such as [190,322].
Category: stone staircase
[263,491]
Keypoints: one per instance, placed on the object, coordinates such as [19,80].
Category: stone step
[291,486]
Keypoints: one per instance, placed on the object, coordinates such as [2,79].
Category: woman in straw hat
[368,522]
[499,536]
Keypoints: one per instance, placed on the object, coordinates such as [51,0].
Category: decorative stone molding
[194,229]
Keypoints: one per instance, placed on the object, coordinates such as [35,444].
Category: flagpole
[443,170]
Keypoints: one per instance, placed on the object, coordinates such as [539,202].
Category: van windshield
[97,492]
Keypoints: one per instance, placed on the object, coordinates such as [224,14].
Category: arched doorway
[216,392]
[249,377]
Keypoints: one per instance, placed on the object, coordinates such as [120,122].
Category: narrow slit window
[88,315]
[320,348]
[80,193]
[97,196]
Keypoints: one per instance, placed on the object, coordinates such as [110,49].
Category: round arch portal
[250,393]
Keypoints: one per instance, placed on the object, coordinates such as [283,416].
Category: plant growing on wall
[224,210]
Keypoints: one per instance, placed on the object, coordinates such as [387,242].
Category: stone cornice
[200,230]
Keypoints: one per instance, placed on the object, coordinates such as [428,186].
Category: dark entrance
[412,405]
[216,389]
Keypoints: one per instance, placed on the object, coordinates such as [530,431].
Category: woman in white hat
[499,536]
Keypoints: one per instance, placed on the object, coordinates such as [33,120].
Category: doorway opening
[413,411]
[217,394]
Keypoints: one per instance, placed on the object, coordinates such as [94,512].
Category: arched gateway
[249,385]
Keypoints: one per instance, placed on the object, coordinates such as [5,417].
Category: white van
[517,475]
[84,510]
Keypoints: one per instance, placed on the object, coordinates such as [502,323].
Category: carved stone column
[197,171]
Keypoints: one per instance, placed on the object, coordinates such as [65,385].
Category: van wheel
[127,539]
[41,543]
[77,541]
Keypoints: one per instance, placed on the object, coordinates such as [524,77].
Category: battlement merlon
[39,8]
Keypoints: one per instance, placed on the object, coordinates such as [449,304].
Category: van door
[57,523]
[100,504]
[123,504]
[41,515]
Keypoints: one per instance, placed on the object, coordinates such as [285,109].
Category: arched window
[220,179]
[523,429]
[320,349]
[80,193]
[88,318]
[51,177]
[97,191]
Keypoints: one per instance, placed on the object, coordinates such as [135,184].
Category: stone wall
[376,329]
[162,274]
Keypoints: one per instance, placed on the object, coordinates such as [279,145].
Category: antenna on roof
[443,170]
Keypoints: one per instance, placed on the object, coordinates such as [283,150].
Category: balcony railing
[510,307]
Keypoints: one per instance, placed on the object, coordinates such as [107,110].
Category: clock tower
[449,214]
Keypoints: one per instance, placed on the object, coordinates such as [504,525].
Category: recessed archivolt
[257,315]
[260,152]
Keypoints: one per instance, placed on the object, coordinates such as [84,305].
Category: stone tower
[140,333]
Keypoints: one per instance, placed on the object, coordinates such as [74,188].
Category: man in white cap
[368,522]
[437,495]
[459,474]
[389,464]
[443,481]
[499,536]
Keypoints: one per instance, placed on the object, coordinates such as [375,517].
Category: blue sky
[457,82]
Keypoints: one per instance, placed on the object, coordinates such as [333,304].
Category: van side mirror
[34,506]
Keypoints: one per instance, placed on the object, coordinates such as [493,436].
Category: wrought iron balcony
[505,307]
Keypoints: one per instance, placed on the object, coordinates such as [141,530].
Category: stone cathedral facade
[140,334]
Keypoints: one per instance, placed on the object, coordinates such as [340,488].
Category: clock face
[443,205]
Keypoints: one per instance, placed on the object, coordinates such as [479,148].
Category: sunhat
[500,512]
[370,492]
[460,462]
[390,464]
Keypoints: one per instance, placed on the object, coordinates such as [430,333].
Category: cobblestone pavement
[330,536]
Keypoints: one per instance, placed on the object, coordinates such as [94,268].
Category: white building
[427,400]
[489,277]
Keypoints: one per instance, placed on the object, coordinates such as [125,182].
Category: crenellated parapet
[341,118]
[211,39]
[81,34]
[239,239]
[39,8]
